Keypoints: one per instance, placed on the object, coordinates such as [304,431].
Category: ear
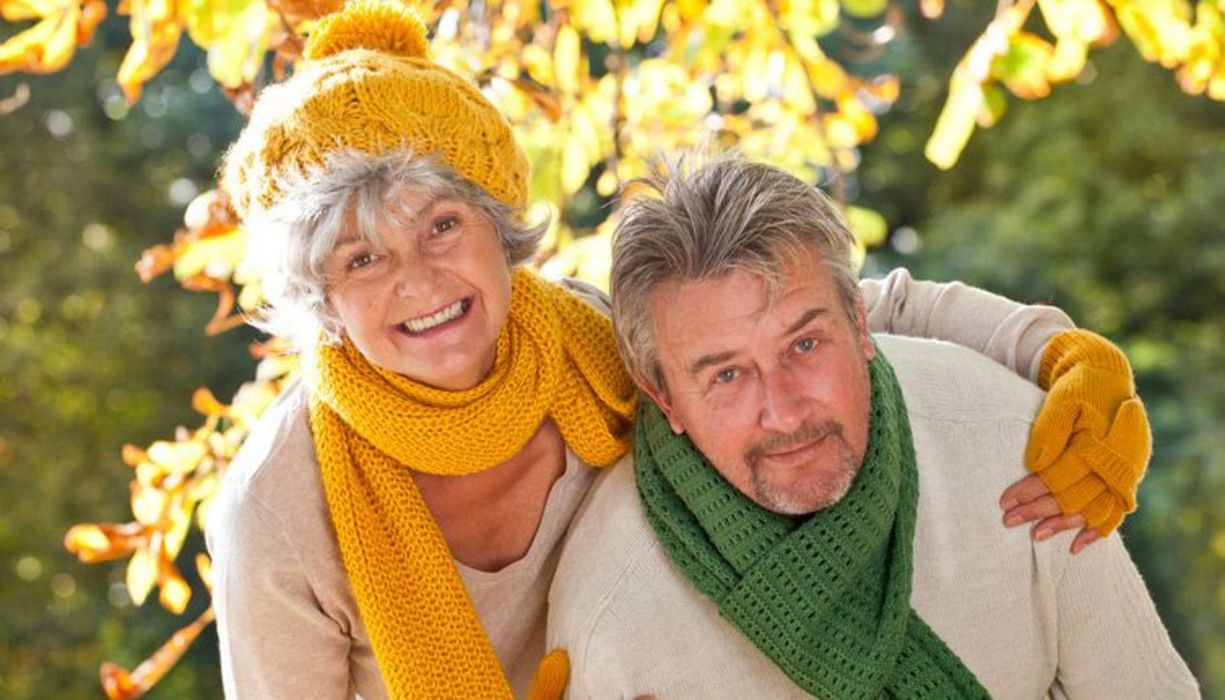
[861,326]
[660,397]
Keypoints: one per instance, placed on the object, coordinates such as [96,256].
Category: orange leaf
[133,455]
[175,593]
[119,684]
[156,260]
[203,402]
[94,543]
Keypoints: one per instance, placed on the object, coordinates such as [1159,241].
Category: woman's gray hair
[291,242]
[728,214]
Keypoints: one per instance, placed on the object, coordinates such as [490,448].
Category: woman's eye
[445,224]
[726,376]
[359,261]
[805,345]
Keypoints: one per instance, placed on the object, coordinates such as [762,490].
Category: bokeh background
[1105,199]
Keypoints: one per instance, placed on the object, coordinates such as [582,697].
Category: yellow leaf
[236,53]
[574,164]
[47,46]
[868,226]
[1023,67]
[178,457]
[598,19]
[539,64]
[180,511]
[648,13]
[175,593]
[141,575]
[148,503]
[955,123]
[864,8]
[216,256]
[155,37]
[204,567]
[567,51]
[1160,29]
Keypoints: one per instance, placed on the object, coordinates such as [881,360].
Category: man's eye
[805,345]
[726,376]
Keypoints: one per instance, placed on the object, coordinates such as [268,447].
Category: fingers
[1052,526]
[1083,539]
[1042,508]
[1025,490]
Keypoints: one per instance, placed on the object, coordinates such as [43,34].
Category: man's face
[775,395]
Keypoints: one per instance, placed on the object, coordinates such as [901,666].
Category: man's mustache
[806,434]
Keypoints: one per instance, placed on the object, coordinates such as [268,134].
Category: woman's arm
[275,640]
[1090,443]
[1012,334]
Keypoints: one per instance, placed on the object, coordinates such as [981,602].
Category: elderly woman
[392,525]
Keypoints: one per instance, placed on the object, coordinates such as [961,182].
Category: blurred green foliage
[91,358]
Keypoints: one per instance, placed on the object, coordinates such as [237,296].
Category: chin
[806,498]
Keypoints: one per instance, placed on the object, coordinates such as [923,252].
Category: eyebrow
[720,357]
[805,319]
[712,359]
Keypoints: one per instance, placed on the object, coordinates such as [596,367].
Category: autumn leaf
[50,44]
[156,29]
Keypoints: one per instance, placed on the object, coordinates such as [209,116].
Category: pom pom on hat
[368,86]
[379,25]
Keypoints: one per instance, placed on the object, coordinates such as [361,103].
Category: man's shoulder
[608,536]
[940,380]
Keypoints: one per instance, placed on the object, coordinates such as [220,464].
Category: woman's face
[431,299]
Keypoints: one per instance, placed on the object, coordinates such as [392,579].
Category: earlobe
[660,397]
[865,338]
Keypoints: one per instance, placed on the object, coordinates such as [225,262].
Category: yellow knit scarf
[556,357]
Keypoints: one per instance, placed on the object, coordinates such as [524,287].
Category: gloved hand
[551,677]
[1090,443]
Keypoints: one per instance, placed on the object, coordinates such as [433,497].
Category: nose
[413,275]
[783,406]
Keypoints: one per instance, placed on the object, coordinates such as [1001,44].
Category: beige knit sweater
[1029,619]
[286,617]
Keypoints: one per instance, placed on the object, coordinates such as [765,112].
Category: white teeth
[425,323]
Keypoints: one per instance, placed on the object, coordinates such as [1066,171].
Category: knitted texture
[826,598]
[551,677]
[1090,443]
[366,84]
[372,428]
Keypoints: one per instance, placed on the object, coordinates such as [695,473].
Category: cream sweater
[1029,619]
[287,620]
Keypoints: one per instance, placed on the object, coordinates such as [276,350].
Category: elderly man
[812,511]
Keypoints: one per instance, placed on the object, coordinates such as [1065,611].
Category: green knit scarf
[826,597]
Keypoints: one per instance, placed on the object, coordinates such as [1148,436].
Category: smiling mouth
[425,324]
[794,450]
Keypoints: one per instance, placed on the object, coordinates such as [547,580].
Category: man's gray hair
[705,222]
[292,241]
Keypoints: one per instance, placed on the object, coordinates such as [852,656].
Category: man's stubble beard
[832,486]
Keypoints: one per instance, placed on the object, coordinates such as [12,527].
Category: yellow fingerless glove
[551,677]
[1090,443]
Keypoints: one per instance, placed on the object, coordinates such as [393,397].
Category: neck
[489,519]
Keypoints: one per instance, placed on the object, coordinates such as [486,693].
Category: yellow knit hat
[365,83]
